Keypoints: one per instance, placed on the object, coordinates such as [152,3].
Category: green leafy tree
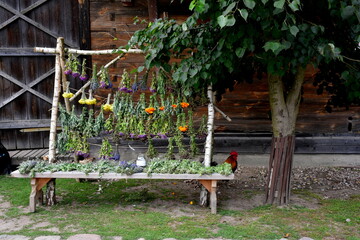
[226,41]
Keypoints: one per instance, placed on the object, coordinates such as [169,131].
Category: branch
[210,128]
[88,52]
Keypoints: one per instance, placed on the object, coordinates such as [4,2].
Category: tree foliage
[225,41]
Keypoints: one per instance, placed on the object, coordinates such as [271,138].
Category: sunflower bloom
[150,110]
[184,104]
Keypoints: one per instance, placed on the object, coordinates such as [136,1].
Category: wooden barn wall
[248,106]
[35,23]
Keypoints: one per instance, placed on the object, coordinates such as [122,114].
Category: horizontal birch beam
[87,52]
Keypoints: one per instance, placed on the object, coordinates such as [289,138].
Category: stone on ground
[85,237]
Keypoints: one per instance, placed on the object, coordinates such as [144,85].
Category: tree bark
[284,106]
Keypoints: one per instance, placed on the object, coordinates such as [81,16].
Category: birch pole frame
[55,103]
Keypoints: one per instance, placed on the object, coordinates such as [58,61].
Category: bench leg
[211,186]
[36,195]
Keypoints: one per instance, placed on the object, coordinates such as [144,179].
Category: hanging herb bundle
[67,93]
[83,76]
[94,83]
[109,124]
[170,149]
[151,152]
[125,86]
[105,78]
[106,149]
[72,66]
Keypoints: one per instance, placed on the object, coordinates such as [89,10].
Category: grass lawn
[157,209]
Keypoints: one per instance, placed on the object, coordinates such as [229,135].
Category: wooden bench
[41,179]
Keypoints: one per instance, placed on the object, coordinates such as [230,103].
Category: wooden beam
[84,25]
[87,52]
[25,10]
[26,87]
[32,22]
[153,10]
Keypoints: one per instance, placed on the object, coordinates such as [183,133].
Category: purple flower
[152,90]
[129,90]
[123,89]
[121,134]
[75,74]
[135,87]
[162,136]
[115,157]
[142,136]
[84,77]
[132,135]
[67,71]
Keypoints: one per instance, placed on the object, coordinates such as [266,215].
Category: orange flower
[184,104]
[162,108]
[183,128]
[174,106]
[150,110]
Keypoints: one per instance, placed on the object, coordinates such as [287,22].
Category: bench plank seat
[40,179]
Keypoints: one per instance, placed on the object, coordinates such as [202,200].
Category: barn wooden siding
[26,78]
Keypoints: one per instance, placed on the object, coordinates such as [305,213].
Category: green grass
[123,209]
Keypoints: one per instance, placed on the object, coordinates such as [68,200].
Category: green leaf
[230,21]
[184,27]
[240,52]
[279,4]
[244,13]
[249,3]
[140,69]
[221,20]
[295,5]
[347,11]
[226,21]
[264,1]
[273,46]
[294,30]
[229,8]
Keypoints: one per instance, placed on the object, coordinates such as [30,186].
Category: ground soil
[245,192]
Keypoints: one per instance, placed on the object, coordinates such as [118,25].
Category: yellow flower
[191,202]
[108,107]
[90,101]
[174,106]
[184,104]
[67,95]
[183,128]
[150,110]
[82,101]
[162,108]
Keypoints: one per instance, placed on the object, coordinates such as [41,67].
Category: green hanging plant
[94,83]
[170,149]
[151,152]
[106,149]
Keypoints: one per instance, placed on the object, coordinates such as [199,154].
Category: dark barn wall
[26,78]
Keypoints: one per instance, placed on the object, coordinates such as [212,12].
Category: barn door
[26,78]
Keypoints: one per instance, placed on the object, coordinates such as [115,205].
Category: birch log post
[55,103]
[63,76]
[204,194]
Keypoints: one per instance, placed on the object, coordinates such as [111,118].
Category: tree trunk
[284,105]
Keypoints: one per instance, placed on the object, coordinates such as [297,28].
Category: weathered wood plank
[214,176]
